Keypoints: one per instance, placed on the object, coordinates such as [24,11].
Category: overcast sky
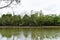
[47,6]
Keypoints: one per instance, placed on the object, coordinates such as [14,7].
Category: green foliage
[35,19]
[25,20]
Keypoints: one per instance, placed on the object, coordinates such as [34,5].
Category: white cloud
[48,6]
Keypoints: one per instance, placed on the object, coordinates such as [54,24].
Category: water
[29,34]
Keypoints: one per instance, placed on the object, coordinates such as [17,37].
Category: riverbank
[29,26]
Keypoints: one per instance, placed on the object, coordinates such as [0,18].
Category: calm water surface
[29,34]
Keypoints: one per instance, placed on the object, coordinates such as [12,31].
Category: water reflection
[32,34]
[19,37]
[29,37]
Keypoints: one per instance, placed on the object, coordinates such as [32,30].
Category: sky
[47,6]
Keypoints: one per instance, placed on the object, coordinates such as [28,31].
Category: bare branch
[6,5]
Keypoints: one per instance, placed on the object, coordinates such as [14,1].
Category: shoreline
[29,26]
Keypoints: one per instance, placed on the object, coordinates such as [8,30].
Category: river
[29,34]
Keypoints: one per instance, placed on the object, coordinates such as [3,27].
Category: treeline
[36,19]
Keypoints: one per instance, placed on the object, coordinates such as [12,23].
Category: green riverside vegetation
[35,19]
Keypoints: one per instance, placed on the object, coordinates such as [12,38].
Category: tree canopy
[36,19]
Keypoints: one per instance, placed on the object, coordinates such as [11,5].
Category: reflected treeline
[35,19]
[30,34]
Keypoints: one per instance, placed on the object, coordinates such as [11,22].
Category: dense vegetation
[36,19]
